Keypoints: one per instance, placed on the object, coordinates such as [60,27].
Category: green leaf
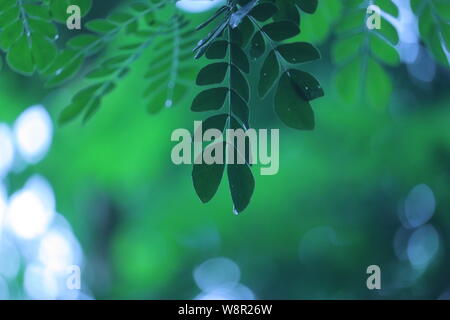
[82,41]
[348,81]
[242,185]
[378,85]
[291,107]
[269,74]
[257,46]
[347,48]
[264,11]
[64,67]
[308,6]
[308,85]
[287,11]
[210,99]
[101,26]
[298,52]
[43,51]
[434,27]
[212,74]
[239,107]
[215,122]
[19,57]
[239,83]
[217,50]
[246,28]
[207,177]
[42,27]
[80,102]
[281,30]
[239,58]
[10,34]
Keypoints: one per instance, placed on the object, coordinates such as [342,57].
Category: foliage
[434,26]
[262,26]
[249,30]
[247,38]
[361,53]
[28,32]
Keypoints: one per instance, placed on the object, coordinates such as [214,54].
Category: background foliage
[338,202]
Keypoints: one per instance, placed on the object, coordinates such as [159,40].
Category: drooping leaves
[248,30]
[70,60]
[434,27]
[107,74]
[241,32]
[355,50]
[169,73]
[27,35]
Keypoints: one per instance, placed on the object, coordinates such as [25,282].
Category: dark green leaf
[239,107]
[239,83]
[269,74]
[281,30]
[264,11]
[298,52]
[207,177]
[239,58]
[215,122]
[246,28]
[217,50]
[212,74]
[257,45]
[210,99]
[307,84]
[308,6]
[291,107]
[242,185]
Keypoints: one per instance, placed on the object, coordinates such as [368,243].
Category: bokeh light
[9,258]
[419,206]
[40,283]
[33,133]
[28,215]
[195,6]
[218,278]
[6,149]
[216,272]
[423,246]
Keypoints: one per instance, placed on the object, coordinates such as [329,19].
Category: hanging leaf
[355,46]
[207,177]
[291,107]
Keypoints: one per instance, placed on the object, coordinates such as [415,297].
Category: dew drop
[235,211]
[168,103]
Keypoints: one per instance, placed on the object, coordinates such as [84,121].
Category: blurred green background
[369,186]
